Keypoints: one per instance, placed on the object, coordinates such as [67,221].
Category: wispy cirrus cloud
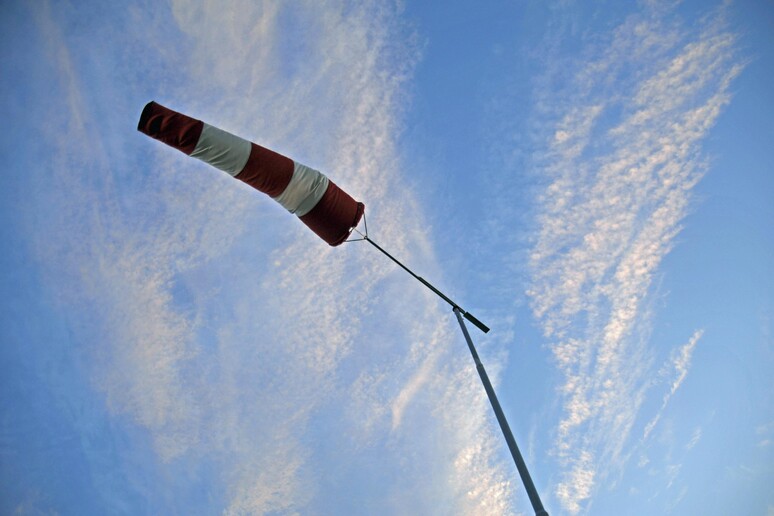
[622,159]
[225,339]
[678,366]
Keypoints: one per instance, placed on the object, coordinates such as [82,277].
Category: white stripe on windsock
[306,188]
[222,150]
[230,153]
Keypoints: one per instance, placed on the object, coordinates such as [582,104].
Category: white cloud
[763,433]
[622,159]
[679,368]
[695,438]
[411,389]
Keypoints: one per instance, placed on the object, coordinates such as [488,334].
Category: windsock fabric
[324,207]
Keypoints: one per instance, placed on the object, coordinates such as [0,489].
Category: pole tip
[481,326]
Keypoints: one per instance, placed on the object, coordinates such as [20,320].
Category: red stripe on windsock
[335,215]
[267,171]
[175,129]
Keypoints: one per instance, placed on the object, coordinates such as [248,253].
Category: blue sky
[593,180]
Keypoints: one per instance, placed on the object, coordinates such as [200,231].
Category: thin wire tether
[355,230]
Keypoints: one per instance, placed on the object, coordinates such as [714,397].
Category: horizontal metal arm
[481,326]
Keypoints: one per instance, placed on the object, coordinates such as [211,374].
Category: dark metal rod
[526,479]
[481,326]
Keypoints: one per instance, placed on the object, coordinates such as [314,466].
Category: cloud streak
[680,364]
[621,163]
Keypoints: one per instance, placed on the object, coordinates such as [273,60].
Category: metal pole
[481,326]
[534,498]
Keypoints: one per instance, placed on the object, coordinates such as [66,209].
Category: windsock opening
[338,207]
[175,129]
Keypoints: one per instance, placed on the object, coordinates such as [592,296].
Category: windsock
[324,207]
